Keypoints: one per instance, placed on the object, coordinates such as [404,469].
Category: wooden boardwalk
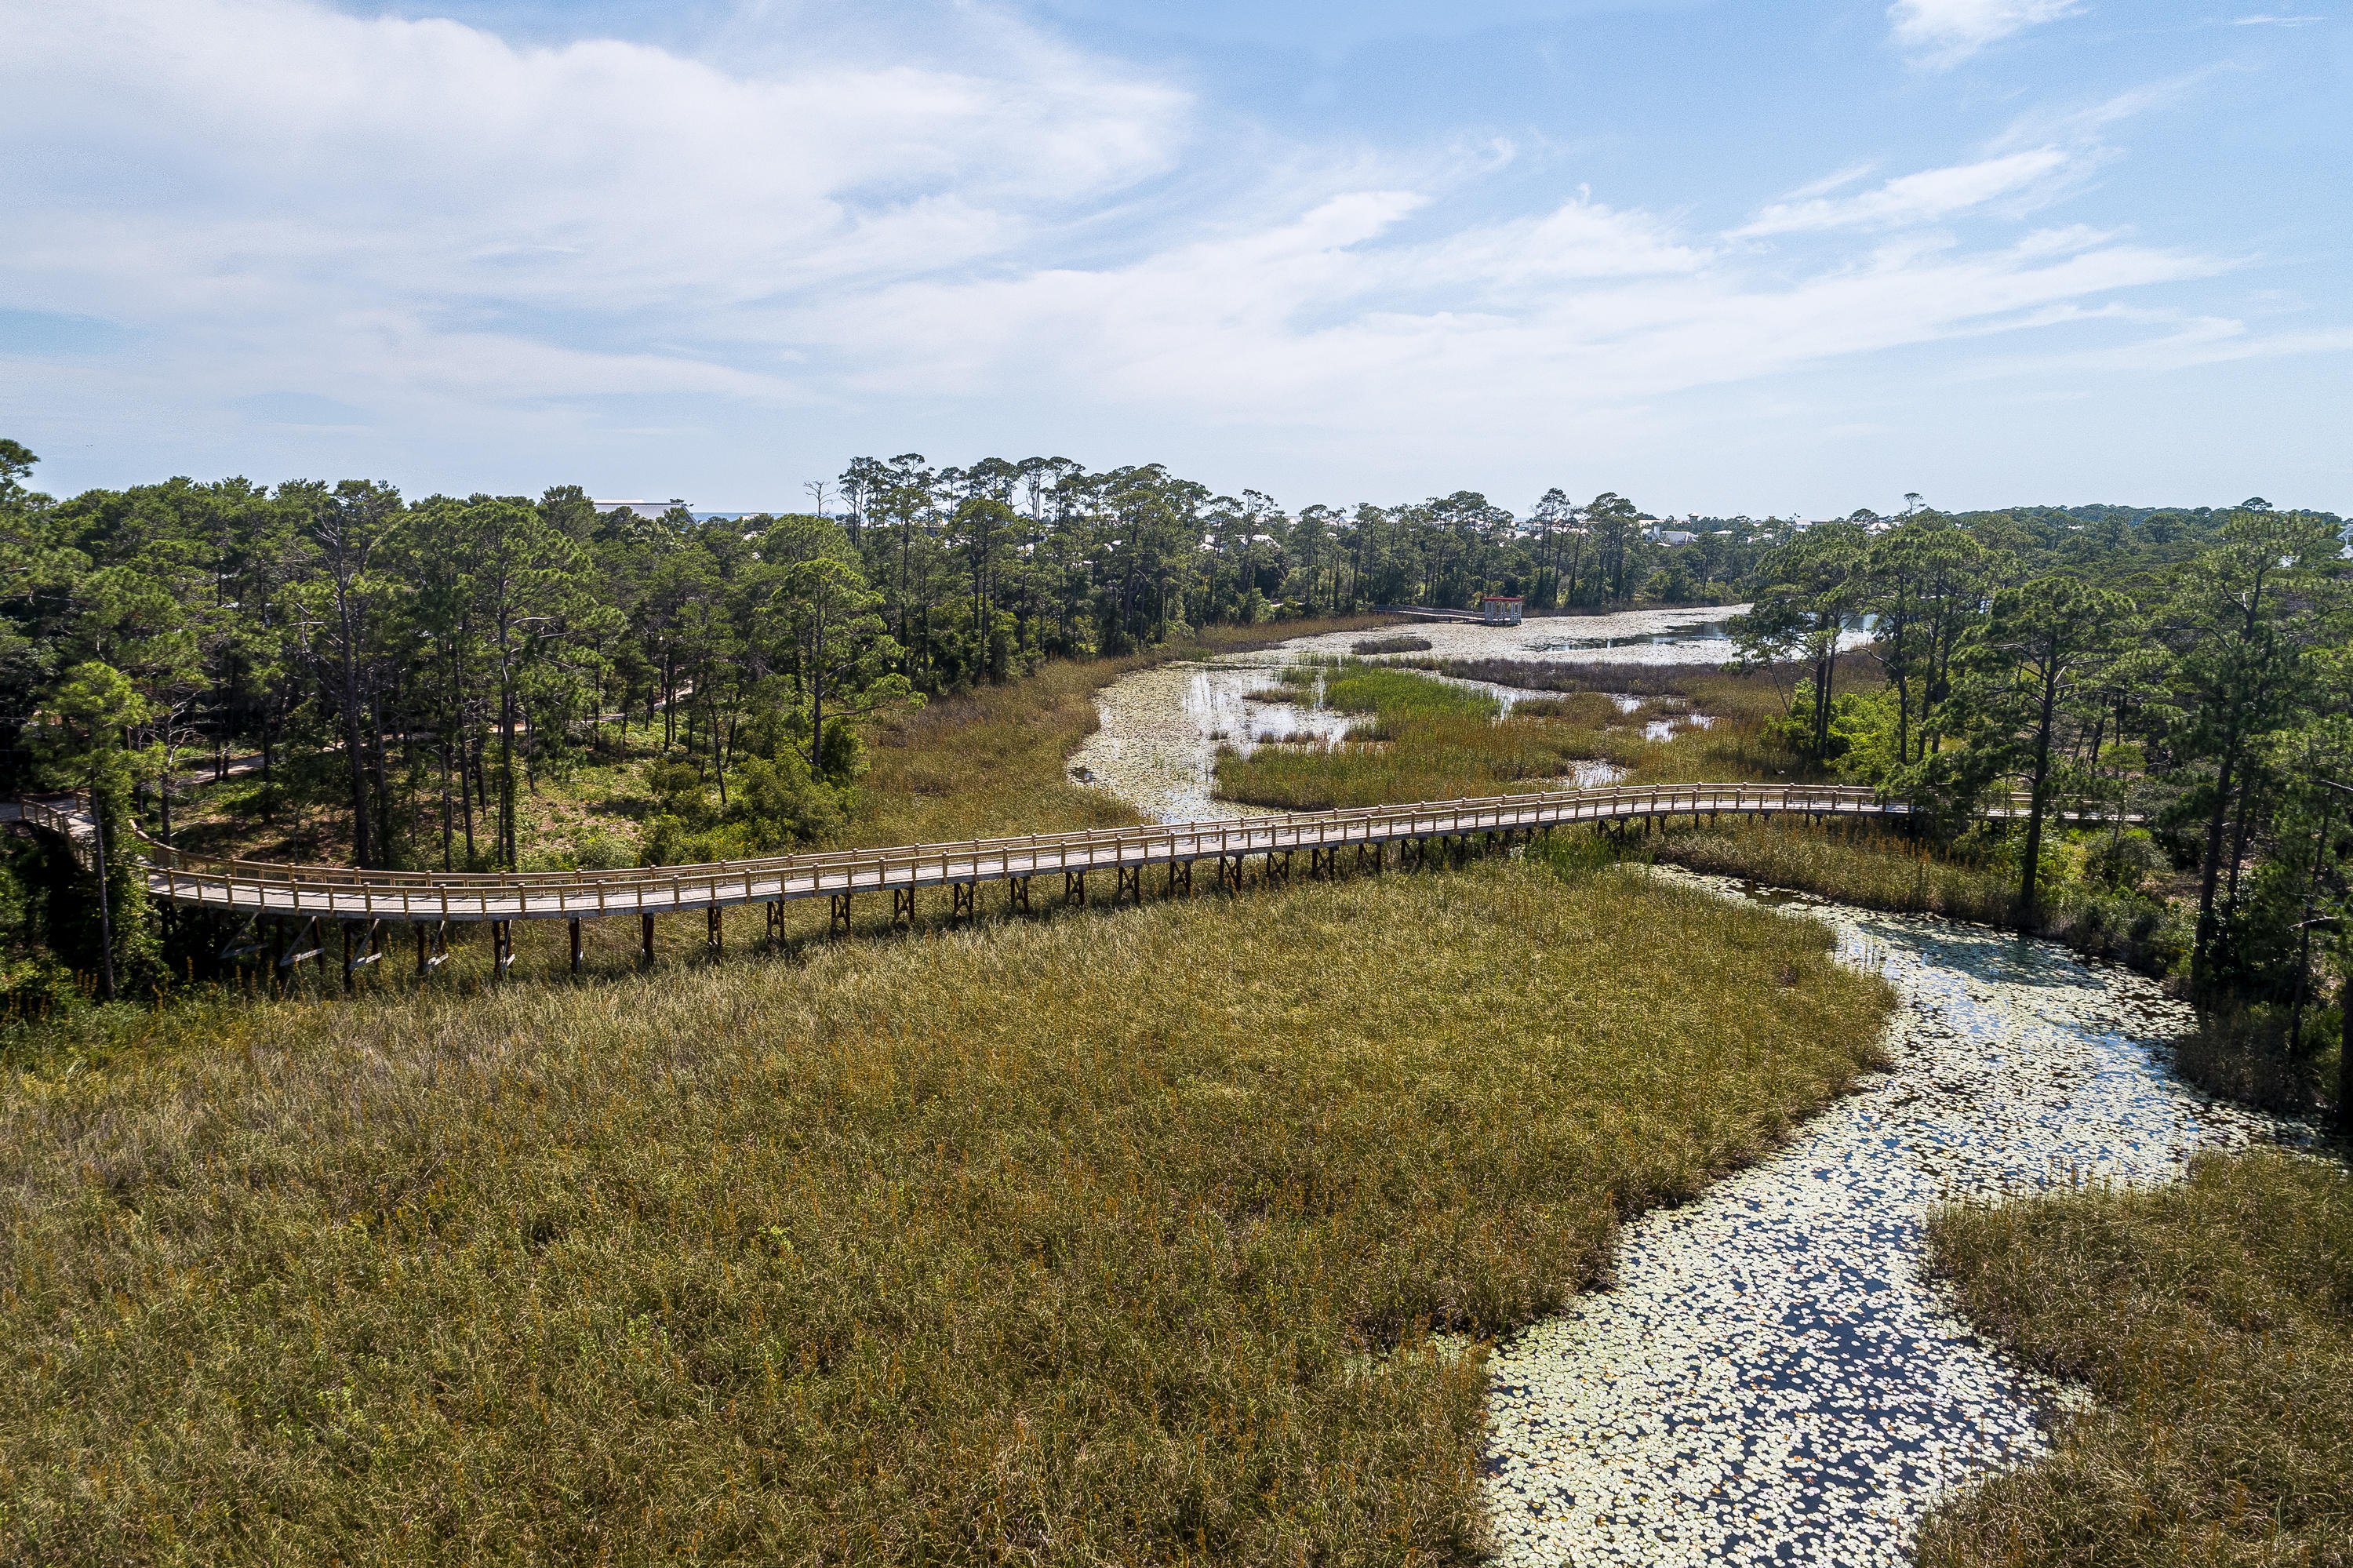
[299,900]
[273,888]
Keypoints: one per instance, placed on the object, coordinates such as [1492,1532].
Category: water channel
[1157,747]
[1770,1377]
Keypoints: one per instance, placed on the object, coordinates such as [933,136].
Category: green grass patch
[1426,739]
[1871,869]
[1097,1238]
[1428,759]
[2215,1324]
[1431,739]
[1882,868]
[1393,697]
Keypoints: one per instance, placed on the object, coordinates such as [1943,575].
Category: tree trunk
[2210,872]
[2034,792]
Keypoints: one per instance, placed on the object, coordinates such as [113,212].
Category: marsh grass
[2246,1053]
[2213,1321]
[1441,741]
[1422,759]
[1865,867]
[1102,1236]
[1877,868]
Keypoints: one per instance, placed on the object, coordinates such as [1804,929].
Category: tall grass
[2248,1055]
[1393,697]
[2215,1324]
[1430,739]
[1867,868]
[989,762]
[1427,760]
[1091,1238]
[1878,868]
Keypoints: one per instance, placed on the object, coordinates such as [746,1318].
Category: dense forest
[419,666]
[2190,672]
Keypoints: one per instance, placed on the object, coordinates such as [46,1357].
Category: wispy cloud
[458,238]
[1924,197]
[1246,331]
[311,182]
[1946,31]
[2275,21]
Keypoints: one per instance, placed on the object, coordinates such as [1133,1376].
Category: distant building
[1500,609]
[1675,536]
[642,508]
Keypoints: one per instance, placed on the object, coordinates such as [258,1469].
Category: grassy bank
[991,761]
[1430,740]
[1423,739]
[1097,1238]
[1884,869]
[2215,1324]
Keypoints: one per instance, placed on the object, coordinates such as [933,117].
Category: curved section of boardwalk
[341,893]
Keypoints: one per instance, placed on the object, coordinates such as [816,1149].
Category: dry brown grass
[2215,1324]
[1098,1237]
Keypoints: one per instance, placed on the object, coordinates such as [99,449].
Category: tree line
[437,656]
[425,662]
[2193,672]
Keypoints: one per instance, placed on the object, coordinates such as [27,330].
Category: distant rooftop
[642,508]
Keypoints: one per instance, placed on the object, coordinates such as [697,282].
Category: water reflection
[1773,1375]
[1159,730]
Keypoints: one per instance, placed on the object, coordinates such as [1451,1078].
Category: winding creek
[1770,1377]
[1161,727]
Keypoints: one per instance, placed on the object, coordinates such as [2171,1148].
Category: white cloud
[1924,197]
[1948,30]
[1582,313]
[463,238]
[279,170]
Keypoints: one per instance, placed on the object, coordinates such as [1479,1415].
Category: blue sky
[1722,258]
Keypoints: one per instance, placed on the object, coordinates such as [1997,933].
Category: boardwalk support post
[646,937]
[838,921]
[712,940]
[902,907]
[1130,883]
[575,944]
[1074,888]
[1016,894]
[966,896]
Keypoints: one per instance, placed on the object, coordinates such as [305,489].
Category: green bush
[771,805]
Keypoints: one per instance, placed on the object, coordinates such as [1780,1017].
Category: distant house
[1676,536]
[642,508]
[1500,608]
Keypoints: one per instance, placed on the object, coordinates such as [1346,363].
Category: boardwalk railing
[274,888]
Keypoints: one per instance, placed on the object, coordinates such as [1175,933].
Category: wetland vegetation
[1101,1237]
[1098,1236]
[2214,1322]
